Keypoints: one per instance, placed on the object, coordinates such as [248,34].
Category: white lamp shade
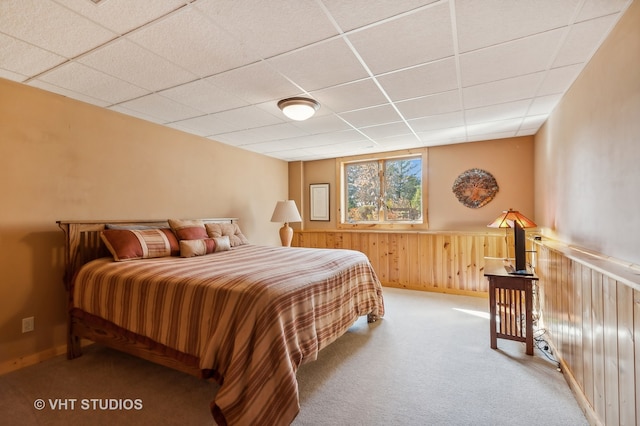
[286,211]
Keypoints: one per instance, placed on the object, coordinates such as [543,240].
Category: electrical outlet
[27,324]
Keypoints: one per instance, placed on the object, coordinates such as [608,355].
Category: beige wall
[510,161]
[61,159]
[588,153]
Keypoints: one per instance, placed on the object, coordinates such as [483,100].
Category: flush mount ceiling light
[298,109]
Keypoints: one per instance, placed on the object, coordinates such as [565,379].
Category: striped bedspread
[253,314]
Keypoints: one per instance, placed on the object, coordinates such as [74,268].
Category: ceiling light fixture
[298,109]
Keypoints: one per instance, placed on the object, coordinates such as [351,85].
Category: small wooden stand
[510,304]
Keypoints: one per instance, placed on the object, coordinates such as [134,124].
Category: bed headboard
[83,242]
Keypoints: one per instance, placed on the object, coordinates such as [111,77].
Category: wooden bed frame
[83,244]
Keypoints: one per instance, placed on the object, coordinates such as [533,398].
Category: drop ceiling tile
[544,104]
[533,122]
[322,124]
[516,58]
[434,77]
[395,142]
[596,8]
[229,138]
[558,80]
[372,116]
[410,40]
[512,89]
[526,132]
[267,30]
[346,136]
[491,22]
[10,75]
[368,11]
[443,136]
[50,26]
[204,50]
[386,130]
[244,138]
[435,122]
[204,125]
[67,93]
[79,78]
[25,59]
[137,114]
[430,105]
[281,131]
[161,108]
[247,118]
[132,63]
[203,96]
[491,136]
[497,112]
[487,128]
[321,65]
[579,45]
[255,83]
[110,13]
[276,145]
[342,149]
[347,97]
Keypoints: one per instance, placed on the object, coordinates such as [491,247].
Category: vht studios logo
[98,404]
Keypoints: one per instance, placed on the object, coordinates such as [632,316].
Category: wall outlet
[27,324]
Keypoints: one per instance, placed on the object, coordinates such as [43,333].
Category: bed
[244,315]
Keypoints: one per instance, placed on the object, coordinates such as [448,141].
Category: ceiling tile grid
[388,75]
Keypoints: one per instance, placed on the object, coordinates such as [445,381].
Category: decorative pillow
[140,244]
[188,229]
[190,248]
[232,230]
[222,243]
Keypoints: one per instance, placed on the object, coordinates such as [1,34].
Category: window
[383,191]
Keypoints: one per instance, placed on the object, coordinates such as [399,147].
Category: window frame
[380,225]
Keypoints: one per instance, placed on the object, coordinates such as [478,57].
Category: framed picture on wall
[319,199]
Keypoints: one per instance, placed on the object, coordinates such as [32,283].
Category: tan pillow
[188,229]
[222,244]
[231,230]
[190,248]
[140,244]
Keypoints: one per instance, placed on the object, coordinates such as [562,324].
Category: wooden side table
[510,304]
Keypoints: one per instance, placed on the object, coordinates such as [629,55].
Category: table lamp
[286,211]
[516,220]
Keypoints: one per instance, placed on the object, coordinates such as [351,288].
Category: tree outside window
[383,191]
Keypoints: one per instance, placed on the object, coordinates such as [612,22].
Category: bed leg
[74,350]
[372,318]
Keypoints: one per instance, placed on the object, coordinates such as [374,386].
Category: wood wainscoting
[590,307]
[446,262]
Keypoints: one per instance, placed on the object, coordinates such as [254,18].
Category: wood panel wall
[432,261]
[591,310]
[589,306]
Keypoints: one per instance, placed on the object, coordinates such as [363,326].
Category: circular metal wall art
[475,188]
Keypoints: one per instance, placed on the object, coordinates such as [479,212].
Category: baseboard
[482,294]
[28,360]
[581,399]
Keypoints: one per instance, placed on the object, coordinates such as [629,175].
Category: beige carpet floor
[428,362]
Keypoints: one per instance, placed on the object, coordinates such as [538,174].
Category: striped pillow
[140,244]
[190,248]
[188,229]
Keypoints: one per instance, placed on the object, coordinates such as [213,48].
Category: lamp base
[286,235]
